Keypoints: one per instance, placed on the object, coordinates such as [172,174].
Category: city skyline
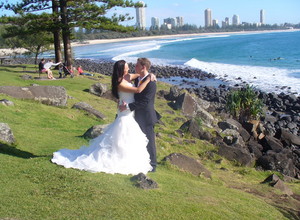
[275,11]
[192,11]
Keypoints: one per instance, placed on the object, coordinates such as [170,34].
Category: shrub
[244,104]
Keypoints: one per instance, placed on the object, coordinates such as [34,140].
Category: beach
[104,41]
[12,52]
[17,51]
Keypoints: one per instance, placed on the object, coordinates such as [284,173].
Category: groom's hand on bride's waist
[123,106]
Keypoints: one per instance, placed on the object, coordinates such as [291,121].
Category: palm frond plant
[244,104]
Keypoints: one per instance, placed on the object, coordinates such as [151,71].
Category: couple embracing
[127,146]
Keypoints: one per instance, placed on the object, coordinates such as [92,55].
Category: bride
[122,146]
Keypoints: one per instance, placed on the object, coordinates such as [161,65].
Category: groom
[145,114]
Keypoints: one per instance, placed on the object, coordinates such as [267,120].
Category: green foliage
[244,104]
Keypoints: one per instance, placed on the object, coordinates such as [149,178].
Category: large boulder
[238,154]
[191,107]
[274,181]
[98,89]
[50,95]
[144,182]
[194,127]
[271,143]
[6,134]
[278,161]
[174,93]
[6,102]
[94,131]
[288,138]
[188,164]
[235,125]
[89,109]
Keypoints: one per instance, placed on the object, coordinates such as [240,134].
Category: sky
[192,11]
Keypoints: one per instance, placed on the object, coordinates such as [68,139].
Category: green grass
[34,188]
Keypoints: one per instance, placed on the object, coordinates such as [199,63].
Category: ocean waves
[268,79]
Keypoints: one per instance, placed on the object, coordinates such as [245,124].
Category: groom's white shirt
[139,80]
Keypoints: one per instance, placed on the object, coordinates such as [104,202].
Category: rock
[109,95]
[50,95]
[188,164]
[288,137]
[175,92]
[26,77]
[270,118]
[98,89]
[187,104]
[94,131]
[227,125]
[194,127]
[143,182]
[251,126]
[277,183]
[281,162]
[89,109]
[255,148]
[236,154]
[6,134]
[234,125]
[271,143]
[190,107]
[233,137]
[6,102]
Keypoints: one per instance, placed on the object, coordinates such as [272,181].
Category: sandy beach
[104,41]
[16,51]
[12,52]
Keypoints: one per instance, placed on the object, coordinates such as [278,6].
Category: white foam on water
[269,79]
[139,47]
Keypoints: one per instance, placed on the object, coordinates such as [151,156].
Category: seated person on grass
[80,71]
[45,67]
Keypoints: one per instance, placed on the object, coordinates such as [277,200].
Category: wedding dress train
[120,149]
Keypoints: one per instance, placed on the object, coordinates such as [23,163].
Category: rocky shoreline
[283,110]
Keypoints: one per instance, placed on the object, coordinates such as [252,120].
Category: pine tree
[60,17]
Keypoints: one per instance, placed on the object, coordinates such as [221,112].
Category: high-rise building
[215,22]
[227,21]
[207,18]
[235,20]
[154,23]
[179,21]
[170,21]
[262,16]
[141,16]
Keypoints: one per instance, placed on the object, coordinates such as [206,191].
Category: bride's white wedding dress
[120,149]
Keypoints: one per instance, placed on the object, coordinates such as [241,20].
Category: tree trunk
[37,52]
[56,32]
[66,32]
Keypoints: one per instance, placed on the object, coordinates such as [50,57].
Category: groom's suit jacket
[143,105]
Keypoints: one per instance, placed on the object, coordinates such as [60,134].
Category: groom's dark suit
[145,116]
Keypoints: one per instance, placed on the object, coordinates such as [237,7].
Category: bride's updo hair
[117,76]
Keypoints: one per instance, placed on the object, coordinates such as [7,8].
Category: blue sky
[276,11]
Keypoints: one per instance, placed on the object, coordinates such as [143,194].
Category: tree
[33,44]
[67,14]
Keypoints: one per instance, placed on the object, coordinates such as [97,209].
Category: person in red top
[80,71]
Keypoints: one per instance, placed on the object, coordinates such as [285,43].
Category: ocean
[270,61]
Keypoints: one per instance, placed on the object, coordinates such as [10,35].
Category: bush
[244,104]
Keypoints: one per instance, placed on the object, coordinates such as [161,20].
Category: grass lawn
[34,188]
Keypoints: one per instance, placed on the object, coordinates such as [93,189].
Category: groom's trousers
[150,134]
